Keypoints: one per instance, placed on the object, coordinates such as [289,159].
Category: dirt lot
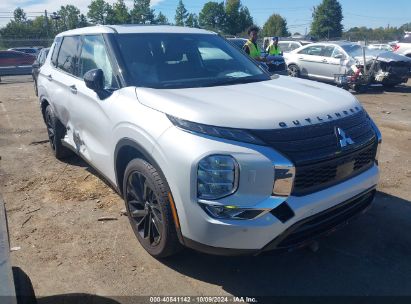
[54,206]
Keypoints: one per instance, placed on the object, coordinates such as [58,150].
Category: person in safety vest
[251,47]
[273,49]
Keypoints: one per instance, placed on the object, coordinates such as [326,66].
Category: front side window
[328,51]
[166,60]
[94,56]
[338,53]
[67,56]
[294,46]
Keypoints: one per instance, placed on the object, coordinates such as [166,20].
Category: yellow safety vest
[272,50]
[255,52]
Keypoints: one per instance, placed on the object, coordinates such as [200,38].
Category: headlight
[217,177]
[227,133]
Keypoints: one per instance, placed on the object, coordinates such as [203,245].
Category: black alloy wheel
[147,198]
[144,209]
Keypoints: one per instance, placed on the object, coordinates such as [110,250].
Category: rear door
[61,77]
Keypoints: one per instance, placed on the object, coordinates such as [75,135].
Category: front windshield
[353,50]
[166,61]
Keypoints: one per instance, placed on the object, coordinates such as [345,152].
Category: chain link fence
[20,42]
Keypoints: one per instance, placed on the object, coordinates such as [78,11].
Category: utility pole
[46,23]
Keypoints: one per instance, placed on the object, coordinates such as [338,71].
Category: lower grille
[311,178]
[322,223]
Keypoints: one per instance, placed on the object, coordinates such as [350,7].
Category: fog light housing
[231,212]
[217,177]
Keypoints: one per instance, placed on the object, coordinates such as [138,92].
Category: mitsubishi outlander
[207,150]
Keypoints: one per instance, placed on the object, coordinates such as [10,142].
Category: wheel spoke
[149,224]
[144,209]
[157,225]
[157,213]
[141,223]
[151,197]
[138,213]
[134,187]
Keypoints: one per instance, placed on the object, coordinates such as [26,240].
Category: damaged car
[325,60]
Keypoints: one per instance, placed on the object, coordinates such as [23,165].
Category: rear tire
[56,132]
[293,70]
[149,210]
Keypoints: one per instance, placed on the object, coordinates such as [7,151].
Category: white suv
[207,150]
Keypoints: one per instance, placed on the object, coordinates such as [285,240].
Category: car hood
[383,56]
[277,103]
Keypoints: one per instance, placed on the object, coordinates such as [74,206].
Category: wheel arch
[126,150]
[43,105]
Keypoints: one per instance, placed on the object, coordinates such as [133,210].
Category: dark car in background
[32,50]
[40,59]
[15,63]
[276,66]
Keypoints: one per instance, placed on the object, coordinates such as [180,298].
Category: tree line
[229,17]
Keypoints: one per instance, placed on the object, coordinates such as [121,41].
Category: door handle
[324,60]
[73,89]
[49,77]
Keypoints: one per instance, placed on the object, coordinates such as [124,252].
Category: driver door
[91,124]
[336,62]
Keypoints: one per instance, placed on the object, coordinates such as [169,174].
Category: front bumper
[225,236]
[303,232]
[314,216]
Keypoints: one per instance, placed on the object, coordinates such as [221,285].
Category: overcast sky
[370,13]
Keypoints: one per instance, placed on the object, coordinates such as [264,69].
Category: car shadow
[370,256]
[379,89]
[76,298]
[77,161]
[399,89]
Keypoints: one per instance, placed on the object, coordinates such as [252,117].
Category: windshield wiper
[232,80]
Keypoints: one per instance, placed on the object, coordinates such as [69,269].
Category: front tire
[148,208]
[293,70]
[56,132]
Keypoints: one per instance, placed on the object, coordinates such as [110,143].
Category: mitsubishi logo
[343,139]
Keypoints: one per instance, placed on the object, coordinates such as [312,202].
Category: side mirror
[35,65]
[339,56]
[94,80]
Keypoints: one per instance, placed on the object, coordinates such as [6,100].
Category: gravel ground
[53,209]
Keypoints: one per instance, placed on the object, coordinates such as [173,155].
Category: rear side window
[57,44]
[94,56]
[67,57]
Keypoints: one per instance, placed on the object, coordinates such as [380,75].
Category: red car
[15,63]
